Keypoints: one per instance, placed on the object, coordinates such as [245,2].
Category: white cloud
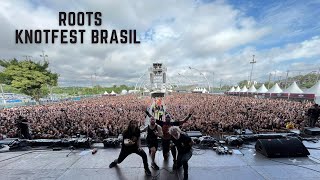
[178,33]
[306,49]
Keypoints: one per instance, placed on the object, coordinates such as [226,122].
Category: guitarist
[154,131]
[131,144]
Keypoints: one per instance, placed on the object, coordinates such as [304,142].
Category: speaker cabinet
[291,147]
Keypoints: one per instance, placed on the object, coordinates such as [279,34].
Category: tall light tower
[45,57]
[252,63]
[212,81]
[318,73]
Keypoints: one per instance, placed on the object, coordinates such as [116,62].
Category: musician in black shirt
[166,139]
[131,144]
[184,146]
[313,114]
[154,131]
[23,128]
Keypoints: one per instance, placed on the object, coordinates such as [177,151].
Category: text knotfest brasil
[74,36]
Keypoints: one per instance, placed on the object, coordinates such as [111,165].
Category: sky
[217,38]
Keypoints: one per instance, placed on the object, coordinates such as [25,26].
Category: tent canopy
[315,89]
[294,88]
[275,89]
[124,91]
[232,89]
[244,89]
[204,90]
[252,89]
[237,89]
[262,89]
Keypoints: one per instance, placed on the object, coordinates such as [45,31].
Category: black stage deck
[204,164]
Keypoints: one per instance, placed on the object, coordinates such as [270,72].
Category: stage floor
[204,165]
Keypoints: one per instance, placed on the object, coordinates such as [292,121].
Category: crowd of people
[98,117]
[219,113]
[107,116]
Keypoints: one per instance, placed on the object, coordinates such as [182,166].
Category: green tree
[243,83]
[30,78]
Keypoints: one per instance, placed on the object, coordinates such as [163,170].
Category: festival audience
[107,116]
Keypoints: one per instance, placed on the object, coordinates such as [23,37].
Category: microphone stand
[71,148]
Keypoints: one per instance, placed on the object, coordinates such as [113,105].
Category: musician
[131,144]
[166,139]
[313,113]
[184,145]
[23,128]
[154,131]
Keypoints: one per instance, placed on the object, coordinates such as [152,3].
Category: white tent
[204,90]
[315,89]
[124,91]
[244,89]
[262,89]
[252,89]
[275,89]
[113,93]
[133,91]
[294,88]
[199,90]
[232,89]
[237,89]
[105,93]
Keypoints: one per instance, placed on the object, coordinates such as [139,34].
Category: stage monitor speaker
[312,131]
[20,144]
[291,147]
[194,134]
[111,142]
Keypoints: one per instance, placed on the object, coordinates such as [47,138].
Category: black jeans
[125,152]
[25,134]
[166,143]
[312,121]
[182,160]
